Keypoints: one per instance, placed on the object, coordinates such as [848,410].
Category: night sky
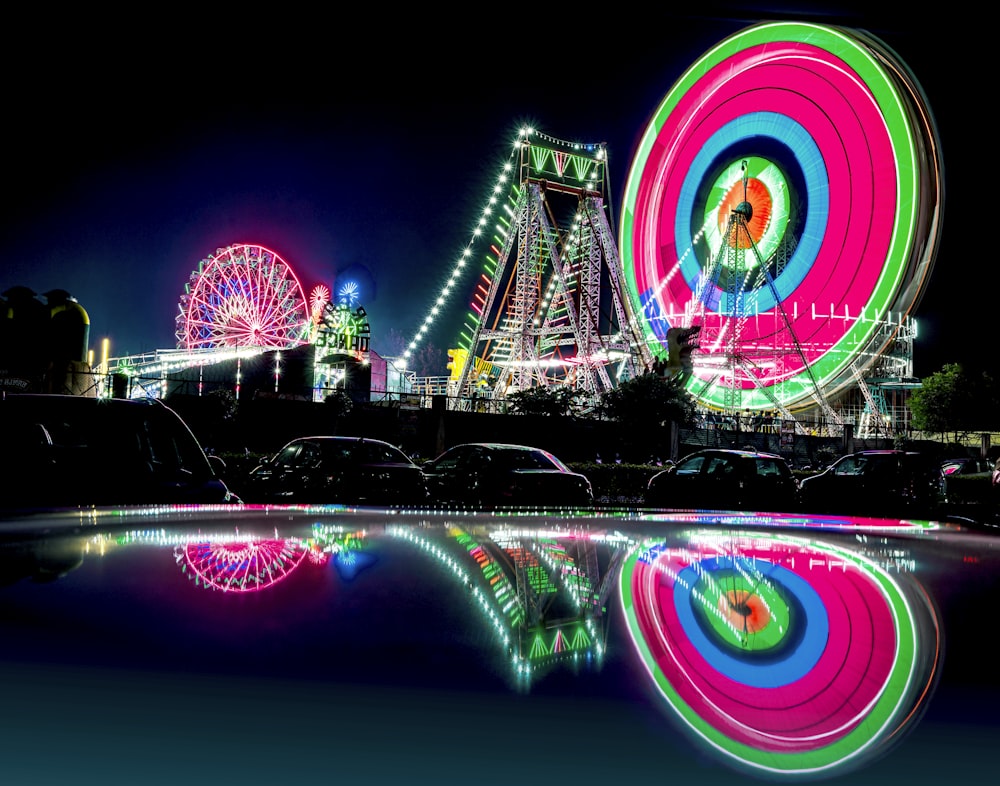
[366,149]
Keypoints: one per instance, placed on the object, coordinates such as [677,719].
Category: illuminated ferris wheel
[786,201]
[243,296]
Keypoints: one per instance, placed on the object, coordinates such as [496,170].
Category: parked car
[499,474]
[337,470]
[70,451]
[896,483]
[725,479]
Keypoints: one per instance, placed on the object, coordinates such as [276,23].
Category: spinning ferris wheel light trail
[816,145]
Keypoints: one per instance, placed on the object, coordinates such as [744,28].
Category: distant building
[44,346]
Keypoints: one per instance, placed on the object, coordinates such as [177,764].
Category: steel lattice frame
[551,308]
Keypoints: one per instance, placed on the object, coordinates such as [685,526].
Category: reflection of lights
[789,656]
[487,604]
[243,565]
[812,521]
[577,639]
[345,547]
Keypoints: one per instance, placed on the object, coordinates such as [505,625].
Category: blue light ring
[809,160]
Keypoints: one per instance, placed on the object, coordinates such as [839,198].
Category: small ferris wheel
[243,296]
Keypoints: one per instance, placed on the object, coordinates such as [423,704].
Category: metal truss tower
[551,308]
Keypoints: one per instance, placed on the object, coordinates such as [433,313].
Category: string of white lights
[499,189]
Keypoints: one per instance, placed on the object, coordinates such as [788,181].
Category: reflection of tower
[550,308]
[540,594]
[557,585]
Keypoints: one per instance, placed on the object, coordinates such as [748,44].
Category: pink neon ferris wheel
[826,138]
[243,296]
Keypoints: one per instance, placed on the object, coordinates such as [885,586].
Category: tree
[649,399]
[951,401]
[222,404]
[429,361]
[392,344]
[544,400]
[338,403]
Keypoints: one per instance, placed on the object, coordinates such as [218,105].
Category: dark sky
[135,148]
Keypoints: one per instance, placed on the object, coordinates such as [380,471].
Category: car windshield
[770,467]
[690,466]
[530,459]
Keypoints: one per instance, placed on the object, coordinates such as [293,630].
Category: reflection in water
[787,655]
[39,561]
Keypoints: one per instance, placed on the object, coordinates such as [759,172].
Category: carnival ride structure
[786,199]
[548,305]
[244,301]
[243,295]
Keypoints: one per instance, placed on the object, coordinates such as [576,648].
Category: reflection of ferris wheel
[242,296]
[731,632]
[786,199]
[240,566]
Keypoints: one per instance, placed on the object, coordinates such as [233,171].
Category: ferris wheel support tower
[744,283]
[551,308]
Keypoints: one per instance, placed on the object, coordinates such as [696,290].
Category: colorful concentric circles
[790,657]
[828,138]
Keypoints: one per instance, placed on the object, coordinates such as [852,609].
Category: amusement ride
[786,200]
[784,207]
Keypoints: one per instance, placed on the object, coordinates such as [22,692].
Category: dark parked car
[724,479]
[337,470]
[497,474]
[894,483]
[70,451]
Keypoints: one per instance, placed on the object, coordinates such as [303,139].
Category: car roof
[336,438]
[501,445]
[737,452]
[887,452]
[89,408]
[50,400]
